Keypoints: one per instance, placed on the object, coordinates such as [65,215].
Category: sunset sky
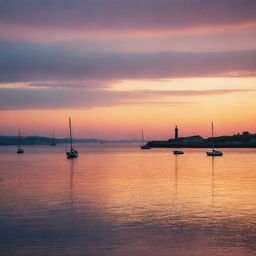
[116,66]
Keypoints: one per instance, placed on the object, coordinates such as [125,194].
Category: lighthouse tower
[176,130]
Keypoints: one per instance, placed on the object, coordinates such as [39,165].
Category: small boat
[20,150]
[144,146]
[213,152]
[178,152]
[72,153]
[53,140]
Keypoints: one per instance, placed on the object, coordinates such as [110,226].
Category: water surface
[118,200]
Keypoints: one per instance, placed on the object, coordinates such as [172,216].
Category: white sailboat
[213,152]
[20,150]
[72,153]
[53,140]
[144,146]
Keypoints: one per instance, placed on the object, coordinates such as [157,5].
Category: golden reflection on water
[187,204]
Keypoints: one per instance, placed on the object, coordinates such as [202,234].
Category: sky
[117,66]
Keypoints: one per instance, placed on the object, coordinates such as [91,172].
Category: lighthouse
[176,130]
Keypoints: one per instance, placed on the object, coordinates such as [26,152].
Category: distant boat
[178,152]
[213,152]
[53,140]
[72,153]
[144,146]
[20,150]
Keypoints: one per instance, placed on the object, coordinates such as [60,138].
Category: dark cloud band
[34,62]
[126,14]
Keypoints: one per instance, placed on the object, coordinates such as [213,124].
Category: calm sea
[118,200]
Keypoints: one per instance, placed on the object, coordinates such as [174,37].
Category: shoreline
[166,144]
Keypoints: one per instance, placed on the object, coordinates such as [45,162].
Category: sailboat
[213,152]
[144,146]
[53,140]
[20,150]
[72,153]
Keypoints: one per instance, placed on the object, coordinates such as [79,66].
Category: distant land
[234,141]
[244,140]
[39,140]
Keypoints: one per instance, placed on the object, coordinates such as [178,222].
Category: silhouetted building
[193,139]
[176,132]
[252,141]
[246,133]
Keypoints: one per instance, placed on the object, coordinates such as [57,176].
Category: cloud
[126,14]
[80,84]
[30,98]
[37,62]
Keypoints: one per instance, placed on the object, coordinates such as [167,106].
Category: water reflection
[71,180]
[212,167]
[176,174]
[120,201]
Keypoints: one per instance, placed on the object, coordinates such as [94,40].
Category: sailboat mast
[53,137]
[142,136]
[212,137]
[70,134]
[19,139]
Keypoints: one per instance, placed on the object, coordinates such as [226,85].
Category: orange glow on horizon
[231,112]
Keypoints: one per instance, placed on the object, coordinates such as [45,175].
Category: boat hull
[20,151]
[214,153]
[71,154]
[178,152]
[145,147]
